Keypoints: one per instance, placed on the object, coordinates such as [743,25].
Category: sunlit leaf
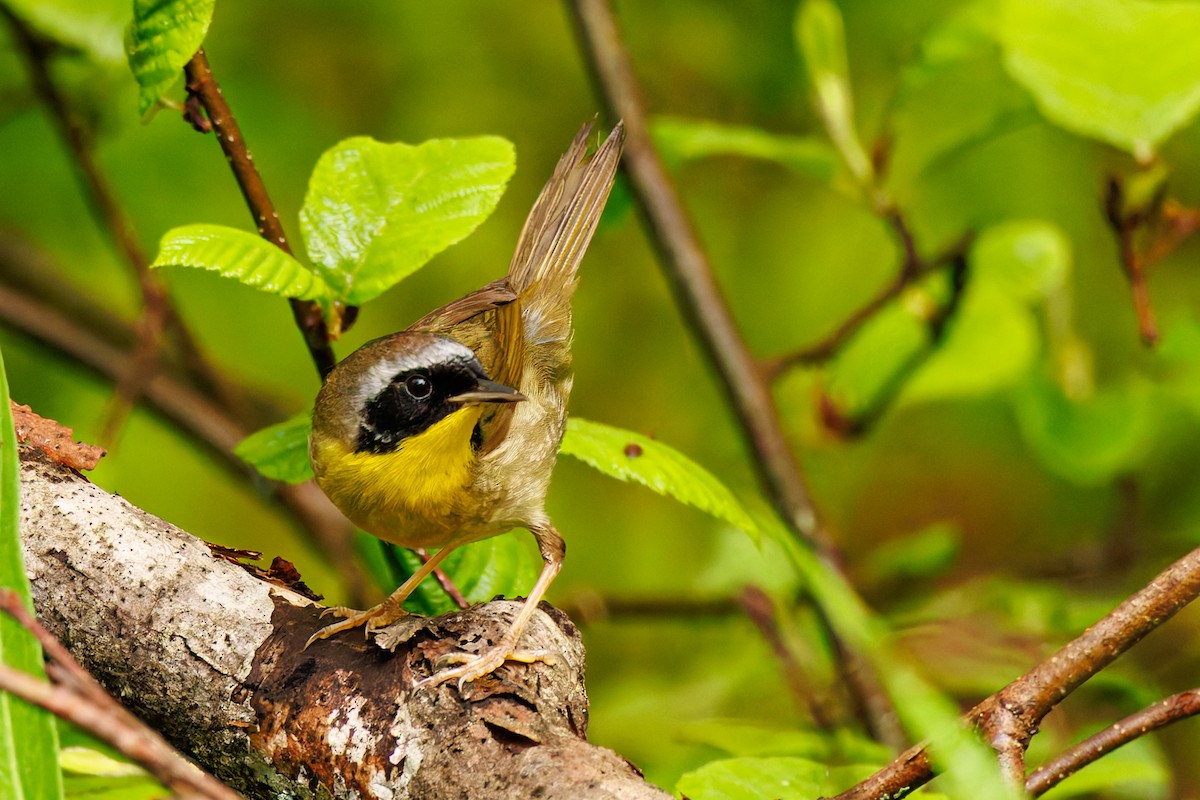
[93,26]
[874,357]
[686,140]
[1027,259]
[375,212]
[822,40]
[780,778]
[239,255]
[88,761]
[500,565]
[29,767]
[164,36]
[629,456]
[1090,440]
[990,344]
[280,451]
[1123,71]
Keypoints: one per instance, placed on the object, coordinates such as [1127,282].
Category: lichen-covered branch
[213,658]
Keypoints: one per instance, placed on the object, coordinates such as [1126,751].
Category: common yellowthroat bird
[446,433]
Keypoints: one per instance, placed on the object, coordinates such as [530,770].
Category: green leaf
[822,40]
[242,256]
[500,565]
[164,36]
[779,778]
[1026,259]
[1123,71]
[28,736]
[990,344]
[89,761]
[1087,440]
[688,140]
[280,451]
[871,360]
[93,26]
[375,213]
[629,456]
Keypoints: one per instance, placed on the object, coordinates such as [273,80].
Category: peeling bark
[212,656]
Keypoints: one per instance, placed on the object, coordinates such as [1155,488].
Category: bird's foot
[386,613]
[472,666]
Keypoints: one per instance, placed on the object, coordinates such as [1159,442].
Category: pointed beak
[486,391]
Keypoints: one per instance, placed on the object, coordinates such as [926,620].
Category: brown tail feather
[557,232]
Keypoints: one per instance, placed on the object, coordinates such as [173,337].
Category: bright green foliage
[822,40]
[239,255]
[1087,440]
[780,778]
[989,345]
[28,739]
[1026,259]
[280,451]
[163,37]
[681,139]
[93,771]
[376,212]
[501,565]
[93,26]
[89,761]
[1123,71]
[629,456]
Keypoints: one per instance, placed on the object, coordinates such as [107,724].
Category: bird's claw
[473,666]
[379,616]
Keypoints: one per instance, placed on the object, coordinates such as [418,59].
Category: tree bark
[213,657]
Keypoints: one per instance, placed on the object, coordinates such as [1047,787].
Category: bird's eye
[418,387]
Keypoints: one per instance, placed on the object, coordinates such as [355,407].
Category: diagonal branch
[1010,718]
[747,385]
[1165,712]
[74,695]
[202,85]
[691,277]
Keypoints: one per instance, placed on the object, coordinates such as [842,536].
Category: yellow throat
[398,495]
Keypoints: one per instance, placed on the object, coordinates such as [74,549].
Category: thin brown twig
[1010,718]
[912,269]
[193,414]
[75,696]
[1166,711]
[444,581]
[202,85]
[691,276]
[158,312]
[694,285]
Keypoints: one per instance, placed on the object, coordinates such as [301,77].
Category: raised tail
[543,272]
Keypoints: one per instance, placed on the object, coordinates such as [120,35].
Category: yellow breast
[418,495]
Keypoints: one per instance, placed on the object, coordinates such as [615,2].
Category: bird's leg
[472,666]
[385,613]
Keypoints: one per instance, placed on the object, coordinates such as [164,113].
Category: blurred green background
[993,510]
